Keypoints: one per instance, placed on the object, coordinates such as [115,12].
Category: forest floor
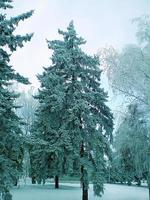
[72,191]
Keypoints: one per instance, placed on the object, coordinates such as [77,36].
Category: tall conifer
[11,144]
[73,119]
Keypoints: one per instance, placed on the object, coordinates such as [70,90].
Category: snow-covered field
[72,191]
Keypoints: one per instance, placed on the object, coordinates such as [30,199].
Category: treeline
[65,128]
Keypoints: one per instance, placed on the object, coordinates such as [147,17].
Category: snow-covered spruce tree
[73,118]
[50,147]
[11,144]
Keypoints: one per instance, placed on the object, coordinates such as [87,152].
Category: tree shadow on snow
[48,187]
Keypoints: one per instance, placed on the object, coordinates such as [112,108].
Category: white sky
[100,22]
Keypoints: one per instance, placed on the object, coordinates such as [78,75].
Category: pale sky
[99,22]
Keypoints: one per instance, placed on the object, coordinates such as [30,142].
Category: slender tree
[26,113]
[11,144]
[28,106]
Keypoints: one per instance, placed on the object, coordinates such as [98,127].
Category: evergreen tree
[49,150]
[73,119]
[11,144]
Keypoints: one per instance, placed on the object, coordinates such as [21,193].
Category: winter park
[74,100]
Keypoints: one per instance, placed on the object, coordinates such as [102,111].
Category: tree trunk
[84,192]
[16,182]
[56,182]
[139,182]
[84,186]
[129,183]
[33,180]
[44,181]
[148,183]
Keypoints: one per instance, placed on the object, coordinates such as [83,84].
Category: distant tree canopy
[28,104]
[11,143]
[128,72]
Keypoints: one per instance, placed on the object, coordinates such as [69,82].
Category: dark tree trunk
[33,180]
[56,182]
[129,183]
[15,182]
[139,182]
[43,181]
[148,183]
[84,192]
[84,186]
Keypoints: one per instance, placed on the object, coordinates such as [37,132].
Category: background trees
[11,143]
[128,74]
[28,105]
[133,145]
[26,112]
[128,71]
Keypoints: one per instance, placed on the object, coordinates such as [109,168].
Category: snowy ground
[72,191]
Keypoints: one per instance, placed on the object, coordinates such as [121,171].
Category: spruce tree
[73,119]
[11,143]
[49,149]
